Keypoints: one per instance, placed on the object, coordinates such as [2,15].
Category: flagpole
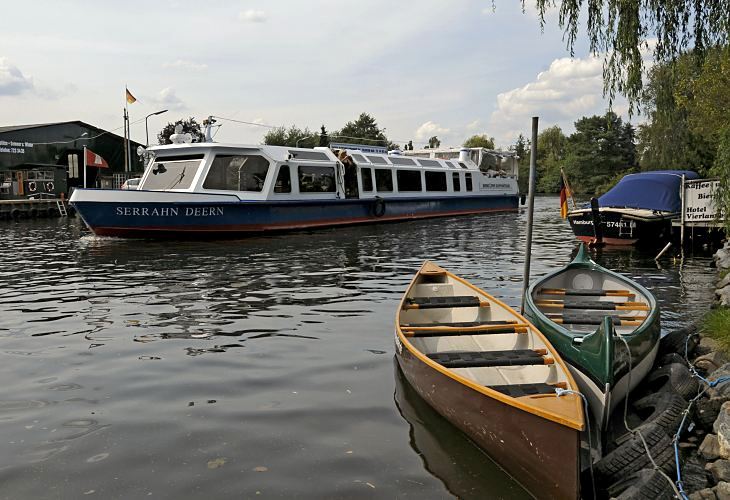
[125,135]
[84,167]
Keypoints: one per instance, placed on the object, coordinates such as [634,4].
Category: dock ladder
[61,208]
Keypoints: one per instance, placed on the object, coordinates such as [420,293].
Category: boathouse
[47,159]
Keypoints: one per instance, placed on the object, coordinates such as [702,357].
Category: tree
[551,145]
[479,141]
[364,131]
[190,126]
[522,149]
[324,139]
[434,142]
[620,29]
[291,137]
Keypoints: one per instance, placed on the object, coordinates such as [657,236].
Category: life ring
[379,207]
[32,186]
[49,186]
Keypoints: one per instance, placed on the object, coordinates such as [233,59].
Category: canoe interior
[441,284]
[578,299]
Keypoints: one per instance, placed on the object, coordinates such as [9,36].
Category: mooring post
[530,211]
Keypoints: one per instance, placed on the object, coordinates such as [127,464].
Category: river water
[261,367]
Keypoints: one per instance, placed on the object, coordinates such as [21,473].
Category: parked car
[131,183]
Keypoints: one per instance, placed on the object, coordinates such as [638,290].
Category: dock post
[530,211]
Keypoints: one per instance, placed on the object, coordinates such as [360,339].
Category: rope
[560,391]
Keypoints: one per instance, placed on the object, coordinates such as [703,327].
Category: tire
[664,409]
[379,207]
[670,358]
[694,475]
[646,484]
[675,341]
[674,377]
[631,455]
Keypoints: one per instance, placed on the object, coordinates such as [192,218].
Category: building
[47,159]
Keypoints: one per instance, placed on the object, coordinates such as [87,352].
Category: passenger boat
[212,189]
[585,311]
[493,375]
[636,211]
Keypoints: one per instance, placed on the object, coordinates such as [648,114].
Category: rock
[720,470]
[710,362]
[722,491]
[710,448]
[722,389]
[706,494]
[723,438]
[723,282]
[708,345]
[723,296]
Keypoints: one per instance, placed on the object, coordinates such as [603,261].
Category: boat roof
[656,190]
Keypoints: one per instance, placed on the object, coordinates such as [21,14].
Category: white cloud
[252,16]
[185,65]
[429,129]
[569,89]
[169,99]
[12,80]
[474,125]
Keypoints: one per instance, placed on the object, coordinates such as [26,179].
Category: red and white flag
[94,160]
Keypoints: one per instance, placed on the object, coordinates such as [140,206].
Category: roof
[657,190]
[13,128]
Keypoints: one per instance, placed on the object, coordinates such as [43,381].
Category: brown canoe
[494,376]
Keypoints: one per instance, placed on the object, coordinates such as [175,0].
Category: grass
[724,272]
[716,325]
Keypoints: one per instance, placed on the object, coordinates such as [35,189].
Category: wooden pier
[33,208]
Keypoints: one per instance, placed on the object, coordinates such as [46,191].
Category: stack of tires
[655,412]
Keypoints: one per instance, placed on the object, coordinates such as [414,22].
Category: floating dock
[31,209]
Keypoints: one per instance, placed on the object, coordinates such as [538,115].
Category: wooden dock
[33,208]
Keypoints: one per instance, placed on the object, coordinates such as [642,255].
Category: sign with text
[699,201]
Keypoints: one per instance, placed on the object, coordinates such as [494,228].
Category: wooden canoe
[582,309]
[494,376]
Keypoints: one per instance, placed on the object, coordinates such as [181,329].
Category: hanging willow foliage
[620,30]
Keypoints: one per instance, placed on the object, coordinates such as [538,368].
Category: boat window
[468,183]
[395,160]
[383,180]
[409,180]
[457,181]
[316,179]
[463,165]
[429,163]
[378,160]
[283,180]
[308,155]
[436,181]
[367,179]
[359,158]
[450,164]
[237,173]
[170,174]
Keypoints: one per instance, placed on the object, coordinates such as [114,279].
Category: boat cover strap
[520,390]
[469,359]
[444,302]
[458,324]
[455,332]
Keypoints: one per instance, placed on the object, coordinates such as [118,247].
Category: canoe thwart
[584,319]
[444,302]
[472,359]
[458,324]
[452,332]
[585,292]
[521,390]
[593,304]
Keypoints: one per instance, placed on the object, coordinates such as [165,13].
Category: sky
[451,69]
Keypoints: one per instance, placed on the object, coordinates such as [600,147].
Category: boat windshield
[171,173]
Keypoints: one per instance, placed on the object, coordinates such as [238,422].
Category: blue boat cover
[656,190]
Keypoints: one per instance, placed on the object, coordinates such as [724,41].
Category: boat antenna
[530,211]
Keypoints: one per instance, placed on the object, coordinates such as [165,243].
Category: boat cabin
[280,173]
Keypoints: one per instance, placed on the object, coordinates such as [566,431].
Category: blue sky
[451,69]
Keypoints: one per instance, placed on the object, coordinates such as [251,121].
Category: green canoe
[585,311]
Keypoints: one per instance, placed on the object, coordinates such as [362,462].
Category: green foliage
[522,149]
[479,141]
[324,139]
[189,126]
[364,130]
[721,170]
[622,28]
[291,137]
[551,144]
[716,325]
[433,142]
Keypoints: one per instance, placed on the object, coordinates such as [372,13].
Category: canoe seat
[593,304]
[520,390]
[444,302]
[471,359]
[458,324]
[585,292]
[453,332]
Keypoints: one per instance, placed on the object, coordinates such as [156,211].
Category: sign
[362,147]
[699,201]
[14,147]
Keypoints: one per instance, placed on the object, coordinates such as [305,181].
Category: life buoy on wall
[49,187]
[379,207]
[32,186]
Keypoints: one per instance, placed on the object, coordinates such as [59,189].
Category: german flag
[563,198]
[130,98]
